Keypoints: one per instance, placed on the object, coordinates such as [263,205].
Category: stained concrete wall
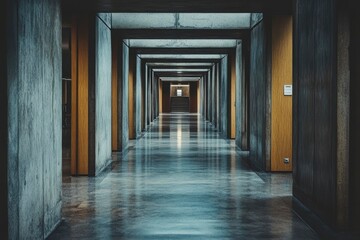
[102,92]
[258,112]
[224,99]
[34,113]
[320,101]
[239,93]
[123,110]
[3,122]
[138,97]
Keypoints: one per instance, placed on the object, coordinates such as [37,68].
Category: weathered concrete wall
[102,93]
[123,94]
[138,98]
[3,122]
[258,96]
[34,112]
[239,93]
[224,99]
[255,19]
[320,97]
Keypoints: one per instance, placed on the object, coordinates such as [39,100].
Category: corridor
[181,180]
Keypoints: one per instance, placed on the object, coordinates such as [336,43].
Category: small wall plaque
[288,90]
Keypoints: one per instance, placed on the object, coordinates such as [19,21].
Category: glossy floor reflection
[181,180]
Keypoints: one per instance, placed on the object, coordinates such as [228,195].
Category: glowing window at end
[179,92]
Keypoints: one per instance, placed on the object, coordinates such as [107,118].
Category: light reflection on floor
[180,181]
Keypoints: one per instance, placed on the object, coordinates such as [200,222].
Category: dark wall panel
[166,97]
[258,86]
[3,121]
[193,97]
[355,119]
[315,107]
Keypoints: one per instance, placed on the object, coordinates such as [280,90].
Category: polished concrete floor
[181,180]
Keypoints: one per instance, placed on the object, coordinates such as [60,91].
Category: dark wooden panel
[3,122]
[182,33]
[211,6]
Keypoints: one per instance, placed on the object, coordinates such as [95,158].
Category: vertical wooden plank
[74,75]
[83,96]
[114,95]
[233,98]
[281,106]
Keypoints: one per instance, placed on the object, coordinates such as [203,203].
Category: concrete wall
[3,122]
[102,93]
[224,99]
[320,137]
[123,112]
[240,79]
[34,113]
[258,96]
[138,97]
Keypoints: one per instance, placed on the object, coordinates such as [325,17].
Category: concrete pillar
[217,88]
[240,79]
[259,96]
[224,99]
[138,95]
[321,104]
[123,112]
[32,109]
[91,95]
[3,121]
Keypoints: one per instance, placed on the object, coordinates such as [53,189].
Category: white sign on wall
[288,90]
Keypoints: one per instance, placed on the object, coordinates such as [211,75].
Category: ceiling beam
[179,6]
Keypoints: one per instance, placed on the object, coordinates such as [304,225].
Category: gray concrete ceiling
[182,56]
[181,20]
[180,79]
[182,43]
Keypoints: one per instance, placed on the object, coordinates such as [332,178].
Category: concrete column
[218,84]
[123,112]
[240,79]
[321,109]
[91,94]
[32,109]
[138,95]
[224,98]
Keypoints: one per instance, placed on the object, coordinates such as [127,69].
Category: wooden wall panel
[83,96]
[233,97]
[281,106]
[114,95]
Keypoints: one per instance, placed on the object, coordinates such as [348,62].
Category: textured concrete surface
[224,100]
[124,85]
[102,94]
[3,121]
[181,181]
[239,92]
[34,96]
[315,101]
[255,19]
[138,97]
[258,68]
